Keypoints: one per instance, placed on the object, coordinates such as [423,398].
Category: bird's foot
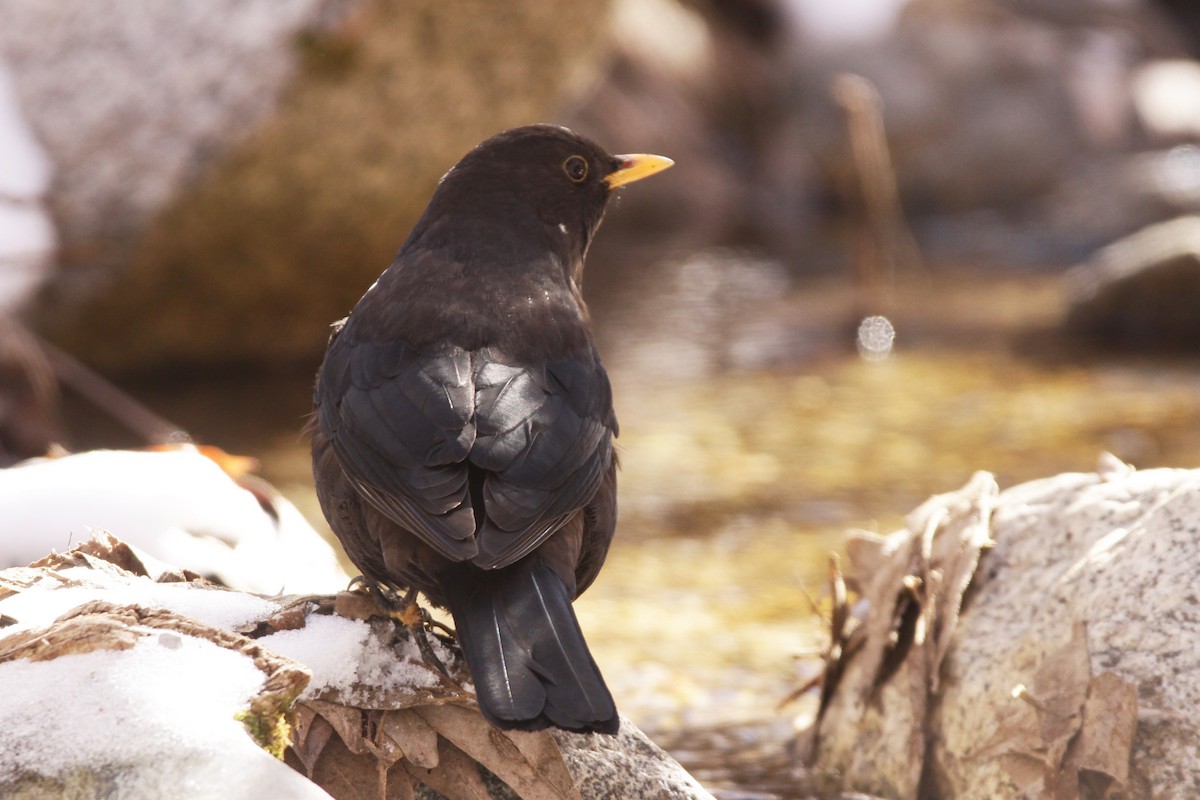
[403,608]
[418,622]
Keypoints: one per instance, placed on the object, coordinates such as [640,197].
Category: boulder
[1062,666]
[230,176]
[1142,291]
[176,687]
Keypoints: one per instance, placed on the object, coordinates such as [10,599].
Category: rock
[195,508]
[627,765]
[230,176]
[218,679]
[1142,291]
[27,240]
[1072,665]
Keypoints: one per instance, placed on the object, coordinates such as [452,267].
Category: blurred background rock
[227,177]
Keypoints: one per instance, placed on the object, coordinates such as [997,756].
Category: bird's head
[542,176]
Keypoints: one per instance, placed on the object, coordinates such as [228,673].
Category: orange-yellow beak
[636,166]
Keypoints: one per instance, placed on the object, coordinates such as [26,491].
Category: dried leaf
[1076,729]
[1110,468]
[356,605]
[413,736]
[400,785]
[69,638]
[101,547]
[913,584]
[1105,744]
[867,550]
[964,533]
[456,776]
[1061,686]
[543,778]
[347,775]
[293,615]
[346,720]
[310,734]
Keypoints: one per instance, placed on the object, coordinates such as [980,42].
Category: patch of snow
[45,601]
[328,646]
[344,657]
[179,506]
[159,717]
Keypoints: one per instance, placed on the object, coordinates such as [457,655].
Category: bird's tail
[526,653]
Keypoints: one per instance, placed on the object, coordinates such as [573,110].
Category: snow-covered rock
[173,688]
[177,505]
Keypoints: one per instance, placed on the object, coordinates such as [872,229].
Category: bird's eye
[576,168]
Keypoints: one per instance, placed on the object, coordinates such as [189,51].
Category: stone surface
[367,713]
[1073,664]
[232,176]
[626,765]
[1142,291]
[1117,555]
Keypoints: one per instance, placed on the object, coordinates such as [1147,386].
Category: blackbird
[462,435]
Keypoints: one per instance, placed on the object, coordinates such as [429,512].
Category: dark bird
[463,428]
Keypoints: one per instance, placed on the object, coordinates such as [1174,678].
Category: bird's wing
[411,429]
[401,424]
[544,435]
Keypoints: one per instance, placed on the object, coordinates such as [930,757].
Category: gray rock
[232,175]
[1115,552]
[627,765]
[1141,291]
[1073,662]
[133,101]
[374,719]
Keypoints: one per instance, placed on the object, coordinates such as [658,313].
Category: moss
[270,729]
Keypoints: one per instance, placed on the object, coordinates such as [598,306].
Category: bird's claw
[415,619]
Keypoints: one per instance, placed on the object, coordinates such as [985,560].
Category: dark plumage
[463,425]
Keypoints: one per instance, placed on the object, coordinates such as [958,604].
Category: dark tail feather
[525,650]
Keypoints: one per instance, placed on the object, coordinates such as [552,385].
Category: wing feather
[410,429]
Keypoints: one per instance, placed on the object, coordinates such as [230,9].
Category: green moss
[271,729]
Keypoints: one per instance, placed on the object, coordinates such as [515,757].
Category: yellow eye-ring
[576,168]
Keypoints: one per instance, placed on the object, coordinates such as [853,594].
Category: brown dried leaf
[542,777]
[867,550]
[1016,733]
[1060,687]
[963,534]
[101,547]
[1026,771]
[456,777]
[310,734]
[347,721]
[1105,744]
[400,785]
[542,751]
[913,583]
[356,605]
[293,615]
[1076,729]
[887,598]
[413,736]
[347,775]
